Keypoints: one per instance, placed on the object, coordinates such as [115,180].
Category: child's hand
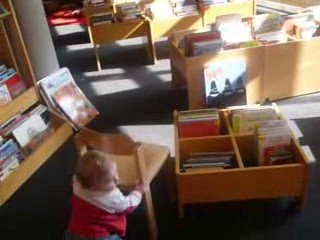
[141,187]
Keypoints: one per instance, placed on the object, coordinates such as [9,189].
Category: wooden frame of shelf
[273,71]
[241,182]
[62,131]
[12,51]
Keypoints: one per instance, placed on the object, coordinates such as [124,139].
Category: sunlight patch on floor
[113,86]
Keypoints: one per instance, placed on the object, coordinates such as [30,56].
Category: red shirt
[90,221]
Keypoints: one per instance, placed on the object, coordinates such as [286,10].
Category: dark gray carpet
[137,99]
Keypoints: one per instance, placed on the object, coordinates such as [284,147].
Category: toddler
[98,207]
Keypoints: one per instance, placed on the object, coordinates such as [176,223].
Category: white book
[29,129]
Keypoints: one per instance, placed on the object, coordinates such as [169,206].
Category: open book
[63,96]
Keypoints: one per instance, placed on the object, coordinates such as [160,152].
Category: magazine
[225,83]
[64,96]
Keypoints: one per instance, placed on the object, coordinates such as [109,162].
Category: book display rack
[242,178]
[14,56]
[152,26]
[273,71]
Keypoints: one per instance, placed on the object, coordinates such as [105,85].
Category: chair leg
[170,180]
[153,228]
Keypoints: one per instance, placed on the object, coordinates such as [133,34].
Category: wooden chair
[135,161]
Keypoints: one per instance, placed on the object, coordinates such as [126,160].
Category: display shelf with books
[16,75]
[60,132]
[29,133]
[227,168]
[264,61]
[109,31]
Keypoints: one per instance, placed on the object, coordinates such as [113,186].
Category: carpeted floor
[138,99]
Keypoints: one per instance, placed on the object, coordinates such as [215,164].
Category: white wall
[36,34]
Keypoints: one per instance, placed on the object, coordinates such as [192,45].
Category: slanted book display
[63,96]
[29,133]
[263,160]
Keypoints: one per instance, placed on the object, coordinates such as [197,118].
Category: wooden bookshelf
[241,182]
[274,71]
[19,104]
[109,33]
[62,131]
[13,54]
[153,29]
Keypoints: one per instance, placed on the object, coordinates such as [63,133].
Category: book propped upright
[64,96]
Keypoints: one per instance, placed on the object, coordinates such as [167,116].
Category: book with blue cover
[225,83]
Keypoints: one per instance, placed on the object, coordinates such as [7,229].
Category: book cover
[225,83]
[66,97]
[4,95]
[191,39]
[198,128]
[14,83]
[29,129]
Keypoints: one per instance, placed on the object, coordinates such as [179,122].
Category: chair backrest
[118,146]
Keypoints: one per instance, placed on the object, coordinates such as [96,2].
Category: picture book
[65,97]
[4,95]
[225,83]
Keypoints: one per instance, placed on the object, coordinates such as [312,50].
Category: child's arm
[128,203]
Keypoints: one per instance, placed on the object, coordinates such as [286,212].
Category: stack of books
[234,32]
[62,95]
[129,11]
[302,25]
[274,143]
[11,84]
[28,129]
[244,118]
[200,43]
[268,29]
[184,7]
[205,160]
[198,123]
[10,157]
[102,18]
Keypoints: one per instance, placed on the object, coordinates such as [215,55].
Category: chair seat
[155,157]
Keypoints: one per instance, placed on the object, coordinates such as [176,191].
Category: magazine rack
[273,71]
[241,182]
[14,54]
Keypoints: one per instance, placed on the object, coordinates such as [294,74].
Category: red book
[192,38]
[15,85]
[198,128]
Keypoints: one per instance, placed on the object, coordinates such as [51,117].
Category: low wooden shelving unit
[14,54]
[244,180]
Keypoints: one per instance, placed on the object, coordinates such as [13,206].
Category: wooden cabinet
[14,54]
[244,180]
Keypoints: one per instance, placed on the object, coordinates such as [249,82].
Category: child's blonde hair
[92,168]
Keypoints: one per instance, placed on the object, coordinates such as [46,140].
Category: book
[13,82]
[64,96]
[193,38]
[306,30]
[8,170]
[101,18]
[29,129]
[207,47]
[4,95]
[198,123]
[225,83]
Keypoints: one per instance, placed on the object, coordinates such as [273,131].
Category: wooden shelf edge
[33,162]
[19,104]
[4,15]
